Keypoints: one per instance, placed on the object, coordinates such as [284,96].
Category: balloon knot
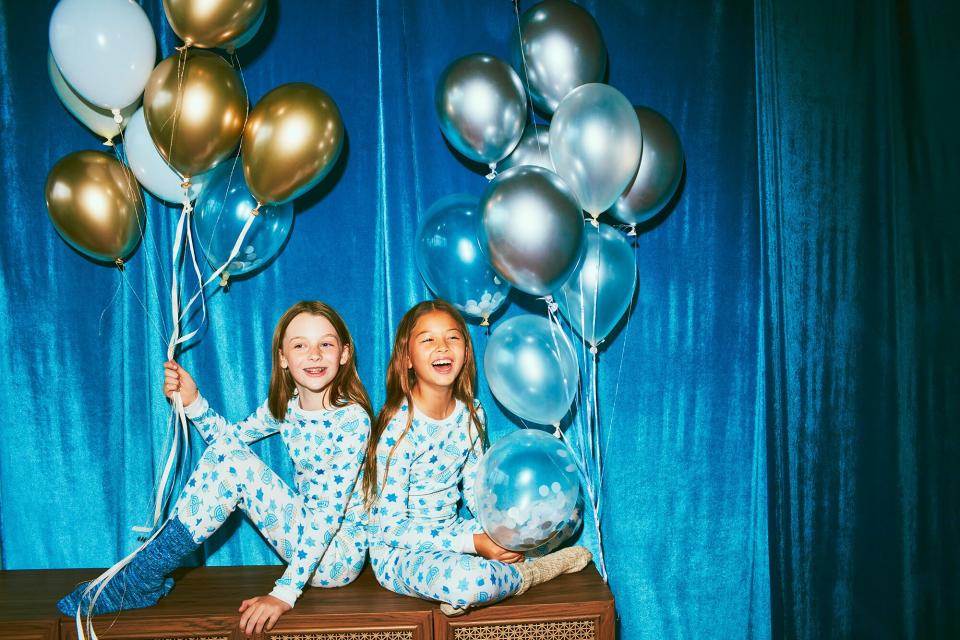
[119,263]
[594,350]
[633,230]
[552,305]
[108,142]
[256,210]
[117,116]
[557,432]
[185,46]
[594,221]
[485,322]
[493,171]
[186,184]
[225,280]
[230,50]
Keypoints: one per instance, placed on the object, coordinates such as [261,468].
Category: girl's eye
[298,345]
[327,345]
[453,337]
[427,339]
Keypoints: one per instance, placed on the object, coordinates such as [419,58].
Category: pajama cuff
[196,408]
[465,543]
[287,594]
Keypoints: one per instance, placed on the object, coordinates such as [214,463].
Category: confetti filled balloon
[527,489]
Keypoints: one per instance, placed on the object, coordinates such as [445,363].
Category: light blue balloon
[526,489]
[451,262]
[600,290]
[223,208]
[105,49]
[595,144]
[531,368]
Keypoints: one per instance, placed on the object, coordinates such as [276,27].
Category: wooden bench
[203,606]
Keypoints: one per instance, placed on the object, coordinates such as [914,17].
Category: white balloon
[104,48]
[148,165]
[98,120]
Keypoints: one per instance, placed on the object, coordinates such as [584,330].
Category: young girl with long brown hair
[425,445]
[320,409]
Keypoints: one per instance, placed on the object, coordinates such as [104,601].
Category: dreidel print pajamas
[317,528]
[419,545]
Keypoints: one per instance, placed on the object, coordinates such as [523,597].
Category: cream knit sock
[539,570]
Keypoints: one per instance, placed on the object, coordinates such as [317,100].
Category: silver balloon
[661,167]
[533,148]
[531,229]
[482,107]
[532,369]
[595,144]
[600,290]
[527,490]
[562,49]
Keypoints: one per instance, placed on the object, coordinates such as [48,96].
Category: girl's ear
[283,361]
[345,354]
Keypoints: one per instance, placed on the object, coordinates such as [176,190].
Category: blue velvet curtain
[778,406]
[857,106]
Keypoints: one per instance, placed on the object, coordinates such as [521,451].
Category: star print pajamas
[419,545]
[316,527]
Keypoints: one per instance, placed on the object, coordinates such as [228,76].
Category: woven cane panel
[345,635]
[194,638]
[569,630]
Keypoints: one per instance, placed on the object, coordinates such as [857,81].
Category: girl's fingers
[272,620]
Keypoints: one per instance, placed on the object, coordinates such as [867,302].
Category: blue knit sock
[142,582]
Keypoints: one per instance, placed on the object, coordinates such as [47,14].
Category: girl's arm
[212,425]
[341,451]
[208,422]
[390,513]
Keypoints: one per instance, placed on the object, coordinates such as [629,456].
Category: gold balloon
[194,105]
[292,140]
[94,203]
[214,23]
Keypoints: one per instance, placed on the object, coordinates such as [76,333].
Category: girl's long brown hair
[345,388]
[400,383]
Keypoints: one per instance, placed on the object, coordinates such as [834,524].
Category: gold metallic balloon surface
[93,201]
[292,140]
[196,119]
[213,23]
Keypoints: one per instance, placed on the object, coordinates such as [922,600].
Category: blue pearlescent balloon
[223,208]
[598,293]
[526,490]
[451,262]
[532,369]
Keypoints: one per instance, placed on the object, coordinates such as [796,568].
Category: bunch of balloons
[177,144]
[537,226]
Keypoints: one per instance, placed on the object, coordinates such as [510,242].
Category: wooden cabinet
[203,606]
[571,607]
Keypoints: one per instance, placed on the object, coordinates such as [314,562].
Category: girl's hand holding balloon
[176,378]
[490,550]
